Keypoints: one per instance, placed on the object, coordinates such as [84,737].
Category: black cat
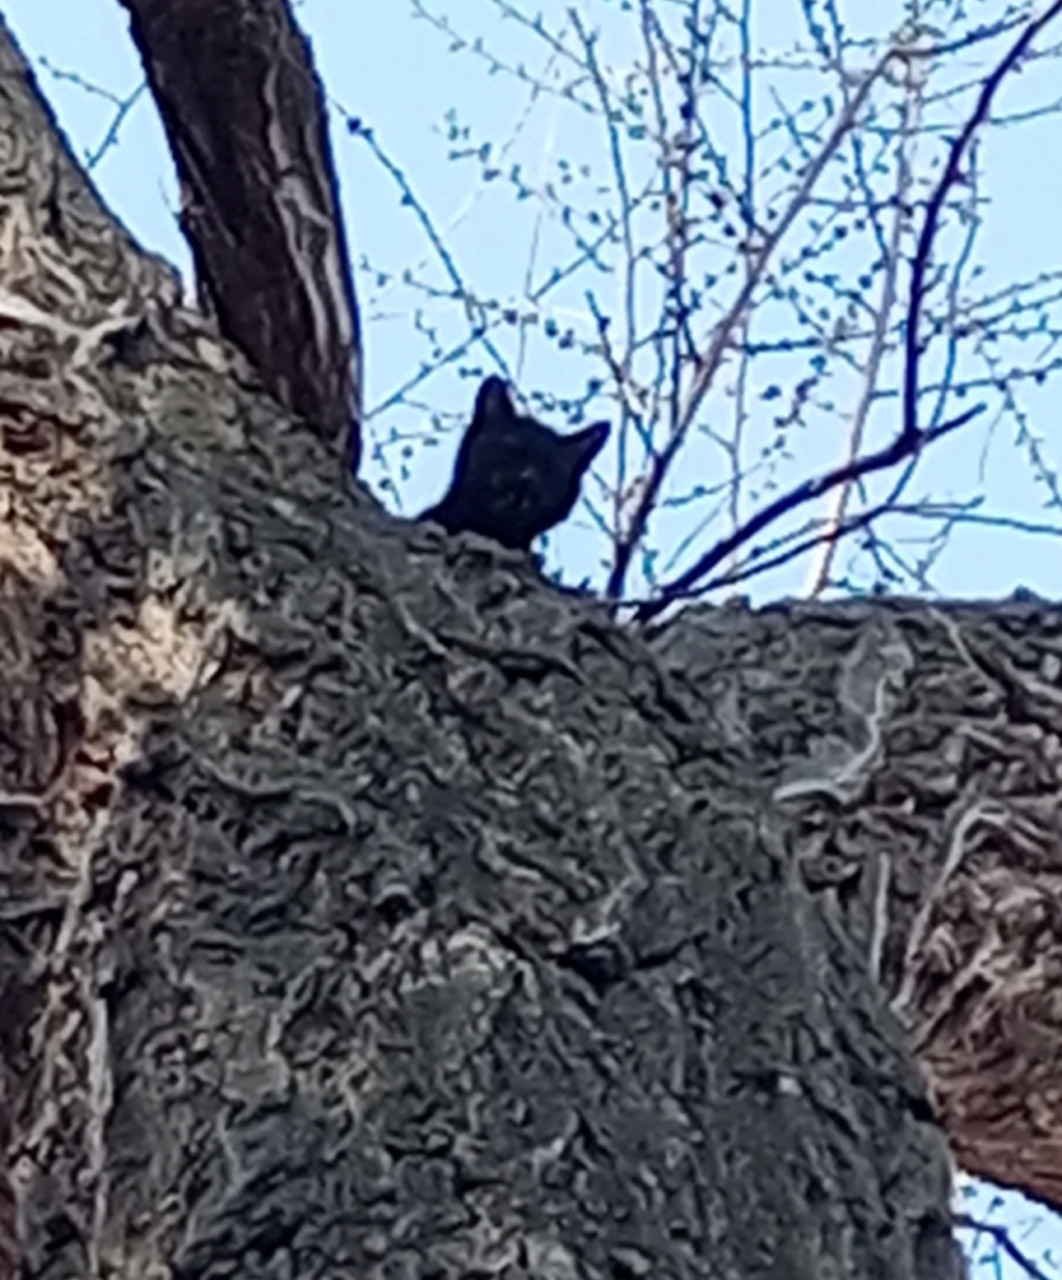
[514,477]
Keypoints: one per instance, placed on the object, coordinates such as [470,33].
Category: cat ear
[493,402]
[587,444]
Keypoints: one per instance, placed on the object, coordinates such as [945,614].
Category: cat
[514,477]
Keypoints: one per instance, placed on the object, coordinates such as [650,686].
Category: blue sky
[399,75]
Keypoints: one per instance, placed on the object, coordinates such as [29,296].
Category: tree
[372,907]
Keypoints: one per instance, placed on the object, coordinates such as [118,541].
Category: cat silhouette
[514,477]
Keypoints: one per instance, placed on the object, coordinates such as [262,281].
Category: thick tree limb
[926,809]
[245,117]
[367,912]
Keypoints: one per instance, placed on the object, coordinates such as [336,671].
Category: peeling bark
[370,907]
[245,117]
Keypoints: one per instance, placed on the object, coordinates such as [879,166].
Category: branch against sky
[729,249]
[1003,1239]
[244,115]
[911,438]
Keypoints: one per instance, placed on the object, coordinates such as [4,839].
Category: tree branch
[709,363]
[245,118]
[1002,1237]
[936,203]
[911,439]
[901,447]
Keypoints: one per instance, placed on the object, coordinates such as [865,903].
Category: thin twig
[948,179]
[708,365]
[908,130]
[473,311]
[900,448]
[621,368]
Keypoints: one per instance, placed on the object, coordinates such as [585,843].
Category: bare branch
[1002,1237]
[910,440]
[883,312]
[948,180]
[709,363]
[901,447]
[461,292]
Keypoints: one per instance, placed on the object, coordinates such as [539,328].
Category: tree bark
[371,907]
[245,116]
[917,757]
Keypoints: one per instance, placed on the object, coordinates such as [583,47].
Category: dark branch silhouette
[911,439]
[948,179]
[1002,1238]
[901,447]
[707,365]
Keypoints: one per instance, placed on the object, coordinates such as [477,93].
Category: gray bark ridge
[370,907]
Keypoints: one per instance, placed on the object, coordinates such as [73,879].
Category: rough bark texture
[919,758]
[370,908]
[245,116]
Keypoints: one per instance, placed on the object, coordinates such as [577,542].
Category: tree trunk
[372,908]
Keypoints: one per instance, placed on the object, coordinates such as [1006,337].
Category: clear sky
[426,100]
